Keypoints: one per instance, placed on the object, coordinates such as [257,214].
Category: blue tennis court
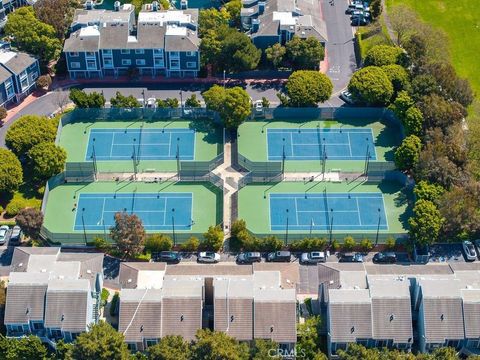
[315,144]
[146,144]
[157,211]
[354,211]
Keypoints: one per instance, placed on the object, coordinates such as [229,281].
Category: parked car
[208,257]
[347,97]
[469,249]
[279,256]
[16,234]
[170,257]
[385,258]
[351,258]
[258,105]
[3,234]
[151,103]
[249,257]
[313,257]
[360,21]
[477,246]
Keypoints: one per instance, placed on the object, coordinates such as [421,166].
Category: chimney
[255,25]
[261,7]
[155,6]
[183,4]
[116,6]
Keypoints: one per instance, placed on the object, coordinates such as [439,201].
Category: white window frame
[175,67]
[94,67]
[139,51]
[159,63]
[191,53]
[9,88]
[75,65]
[175,54]
[158,52]
[107,52]
[126,62]
[90,54]
[73,53]
[153,342]
[140,62]
[191,65]
[108,65]
[125,52]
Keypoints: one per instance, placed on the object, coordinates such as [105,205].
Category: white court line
[349,144]
[358,212]
[325,211]
[296,211]
[137,211]
[317,144]
[153,196]
[320,196]
[111,145]
[103,209]
[291,143]
[322,130]
[170,145]
[143,144]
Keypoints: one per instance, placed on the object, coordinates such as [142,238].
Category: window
[139,51]
[108,62]
[56,333]
[23,74]
[37,325]
[150,342]
[9,88]
[140,62]
[174,64]
[158,52]
[73,53]
[132,346]
[159,63]
[75,65]
[126,62]
[90,54]
[174,54]
[91,64]
[24,83]
[107,52]
[16,328]
[125,51]
[34,75]
[191,65]
[190,53]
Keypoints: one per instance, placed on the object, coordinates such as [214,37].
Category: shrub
[101,244]
[114,304]
[15,206]
[309,244]
[370,85]
[390,243]
[44,81]
[213,238]
[366,245]
[3,113]
[1,209]
[158,242]
[270,243]
[191,245]
[335,245]
[104,296]
[349,243]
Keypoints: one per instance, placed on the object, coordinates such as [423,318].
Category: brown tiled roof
[182,316]
[289,272]
[443,319]
[25,302]
[276,321]
[235,317]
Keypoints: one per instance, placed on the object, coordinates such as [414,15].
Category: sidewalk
[23,104]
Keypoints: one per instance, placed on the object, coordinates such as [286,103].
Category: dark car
[279,256]
[351,258]
[249,257]
[385,258]
[16,235]
[170,257]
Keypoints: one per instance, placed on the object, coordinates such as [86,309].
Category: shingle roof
[209,270]
[4,75]
[21,256]
[471,312]
[275,320]
[182,316]
[67,305]
[78,42]
[234,316]
[20,62]
[129,271]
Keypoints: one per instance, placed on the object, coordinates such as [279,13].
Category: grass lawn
[461,21]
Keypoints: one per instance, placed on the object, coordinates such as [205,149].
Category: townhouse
[115,43]
[245,304]
[19,72]
[51,294]
[277,21]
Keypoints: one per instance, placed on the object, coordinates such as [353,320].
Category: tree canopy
[233,104]
[11,173]
[57,13]
[124,102]
[370,85]
[305,54]
[426,223]
[128,233]
[170,347]
[408,153]
[239,53]
[30,221]
[32,35]
[48,159]
[158,242]
[308,88]
[83,100]
[28,131]
[214,345]
[275,54]
[213,238]
[382,55]
[26,348]
[399,77]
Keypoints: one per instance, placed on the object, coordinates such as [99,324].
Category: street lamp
[181,101]
[286,231]
[173,227]
[224,73]
[331,226]
[83,224]
[378,226]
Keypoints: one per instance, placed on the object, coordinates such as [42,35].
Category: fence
[80,171]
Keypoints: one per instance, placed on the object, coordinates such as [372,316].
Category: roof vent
[352,330]
[21,264]
[129,281]
[27,311]
[271,329]
[392,317]
[61,277]
[331,282]
[89,271]
[141,328]
[43,270]
[231,318]
[181,317]
[441,317]
[63,317]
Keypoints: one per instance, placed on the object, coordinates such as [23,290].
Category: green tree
[239,53]
[11,174]
[170,347]
[413,121]
[213,238]
[28,131]
[304,54]
[191,245]
[424,190]
[382,55]
[262,349]
[57,13]
[128,233]
[27,348]
[210,48]
[30,221]
[14,206]
[233,8]
[31,35]
[83,100]
[101,342]
[438,112]
[349,243]
[423,85]
[213,345]
[3,114]
[376,8]
[398,76]
[366,245]
[308,339]
[370,85]
[158,242]
[426,223]
[125,102]
[48,159]
[44,81]
[63,351]
[192,102]
[390,243]
[270,243]
[211,20]
[233,104]
[275,54]
[408,153]
[308,88]
[401,104]
[445,353]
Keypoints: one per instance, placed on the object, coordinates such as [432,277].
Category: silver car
[208,257]
[3,234]
[16,234]
[469,249]
[313,257]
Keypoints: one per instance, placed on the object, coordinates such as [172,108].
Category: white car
[3,234]
[151,103]
[208,257]
[347,97]
[258,105]
[313,257]
[469,250]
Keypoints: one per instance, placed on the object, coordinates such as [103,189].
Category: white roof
[164,17]
[285,18]
[150,279]
[89,31]
[176,30]
[6,56]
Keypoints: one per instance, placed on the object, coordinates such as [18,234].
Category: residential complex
[115,43]
[277,21]
[51,294]
[19,72]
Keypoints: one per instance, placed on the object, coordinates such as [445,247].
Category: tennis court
[325,211]
[157,211]
[140,144]
[320,143]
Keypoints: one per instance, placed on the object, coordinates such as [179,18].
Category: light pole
[378,226]
[134,159]
[104,229]
[83,224]
[224,73]
[173,227]
[283,157]
[286,231]
[331,226]
[311,227]
[181,101]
